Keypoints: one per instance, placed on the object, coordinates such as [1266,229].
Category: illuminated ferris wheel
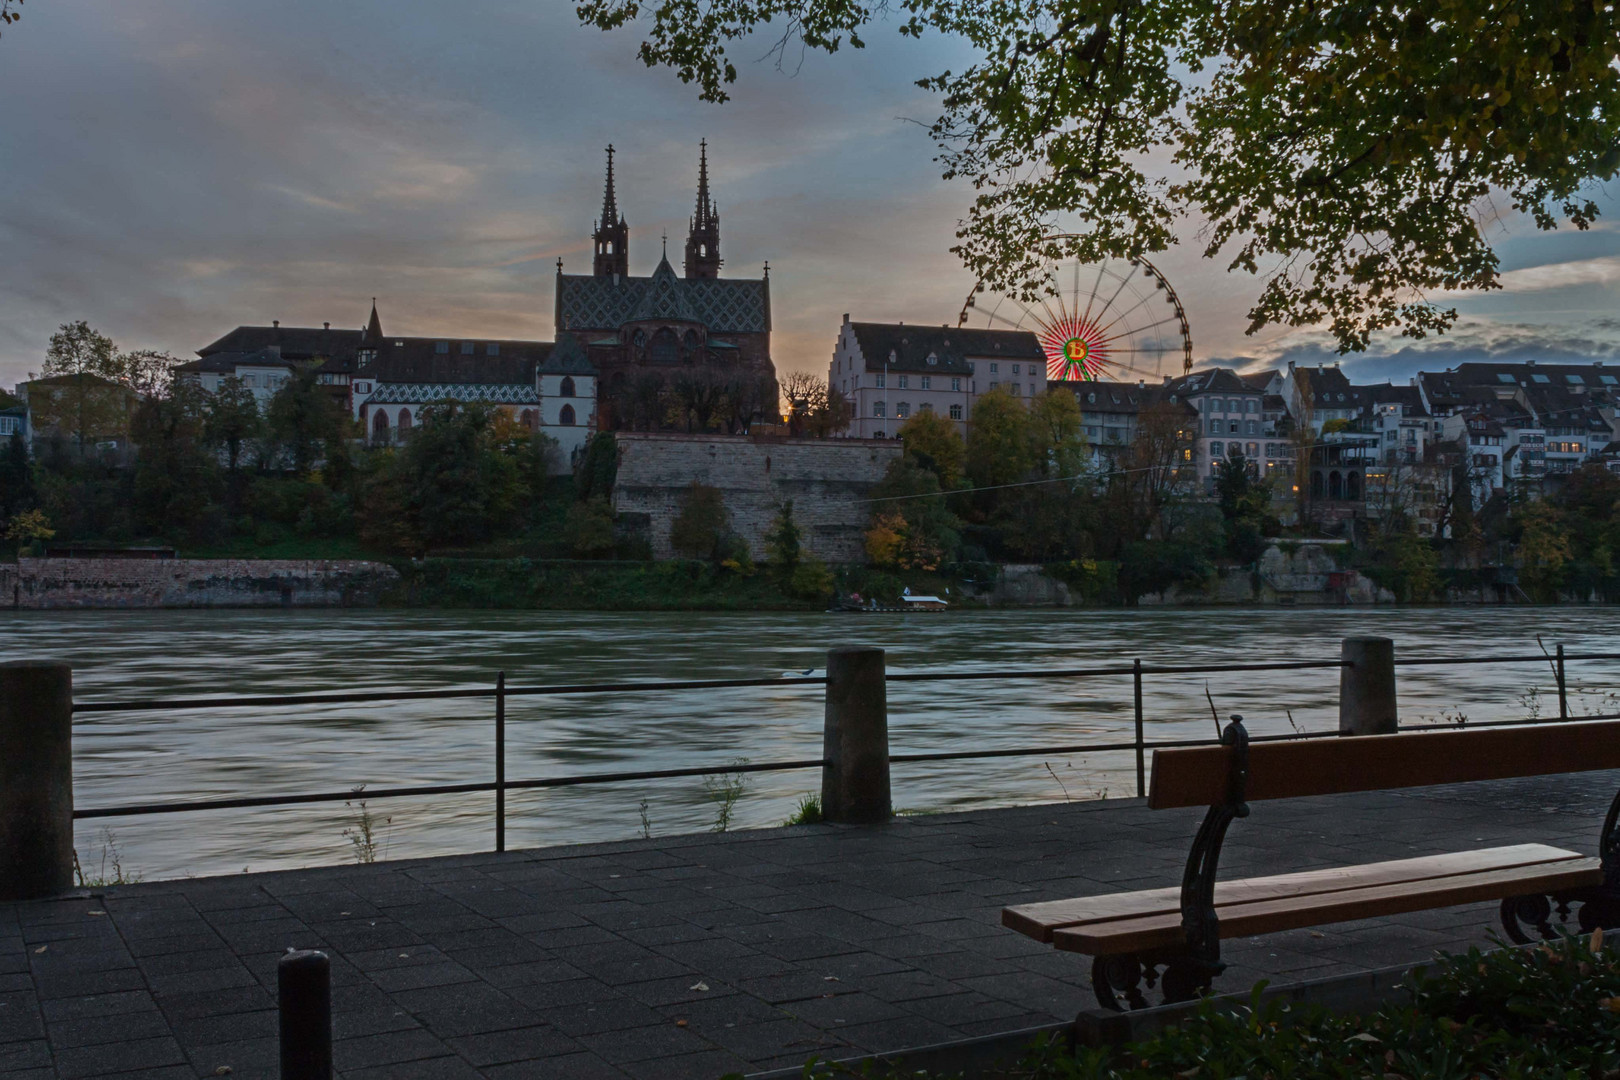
[1117,320]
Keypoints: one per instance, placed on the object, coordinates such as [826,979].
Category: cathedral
[687,351]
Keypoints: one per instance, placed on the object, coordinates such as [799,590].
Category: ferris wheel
[1113,320]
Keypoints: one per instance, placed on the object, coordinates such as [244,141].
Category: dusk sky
[175,168]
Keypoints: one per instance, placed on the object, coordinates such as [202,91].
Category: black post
[1367,704]
[1563,699]
[1141,749]
[500,761]
[304,997]
[36,779]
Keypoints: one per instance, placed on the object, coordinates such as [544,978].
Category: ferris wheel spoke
[1144,329]
[1140,303]
[1102,268]
[994,316]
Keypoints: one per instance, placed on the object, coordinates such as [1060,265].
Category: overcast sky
[174,168]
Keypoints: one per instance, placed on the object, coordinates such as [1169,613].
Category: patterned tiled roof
[426,393]
[724,305]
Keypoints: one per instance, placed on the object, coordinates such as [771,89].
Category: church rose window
[567,388]
[566,417]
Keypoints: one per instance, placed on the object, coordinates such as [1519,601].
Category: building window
[994,368]
[492,349]
[1251,428]
[880,408]
[566,416]
[1232,427]
[1214,427]
[567,387]
[404,420]
[927,382]
[528,419]
[1012,388]
[1015,369]
[925,406]
[250,381]
[466,348]
[379,426]
[666,348]
[994,384]
[441,346]
[1216,449]
[956,384]
[956,412]
[903,410]
[1031,389]
[1254,450]
[881,380]
[904,382]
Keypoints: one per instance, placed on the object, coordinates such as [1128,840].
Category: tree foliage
[934,444]
[1345,152]
[701,524]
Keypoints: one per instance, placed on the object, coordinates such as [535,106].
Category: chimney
[275,323]
[326,326]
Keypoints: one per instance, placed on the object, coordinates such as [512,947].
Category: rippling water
[209,753]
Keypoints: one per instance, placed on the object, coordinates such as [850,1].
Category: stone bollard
[855,780]
[1367,687]
[36,779]
[304,1000]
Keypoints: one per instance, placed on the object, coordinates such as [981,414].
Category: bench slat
[1041,920]
[1270,916]
[1197,776]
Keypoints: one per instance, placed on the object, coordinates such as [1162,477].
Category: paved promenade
[694,956]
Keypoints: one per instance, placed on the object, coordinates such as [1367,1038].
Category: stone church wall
[825,478]
[41,584]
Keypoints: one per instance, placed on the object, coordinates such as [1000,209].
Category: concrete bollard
[304,998]
[36,779]
[1367,687]
[855,780]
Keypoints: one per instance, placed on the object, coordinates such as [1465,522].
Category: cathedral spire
[374,326]
[703,241]
[612,235]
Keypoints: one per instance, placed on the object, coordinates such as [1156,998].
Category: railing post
[36,779]
[1563,698]
[304,1000]
[855,739]
[500,761]
[1141,748]
[1367,687]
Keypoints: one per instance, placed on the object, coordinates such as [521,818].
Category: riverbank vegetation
[1544,1011]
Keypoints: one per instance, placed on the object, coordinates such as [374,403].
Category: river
[218,753]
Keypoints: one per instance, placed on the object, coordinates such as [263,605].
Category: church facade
[688,351]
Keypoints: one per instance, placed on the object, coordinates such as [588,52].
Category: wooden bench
[1132,935]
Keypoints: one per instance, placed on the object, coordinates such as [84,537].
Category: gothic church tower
[703,241]
[612,235]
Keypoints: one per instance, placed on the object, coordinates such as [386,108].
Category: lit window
[880,408]
[903,410]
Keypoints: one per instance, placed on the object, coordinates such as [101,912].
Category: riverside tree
[1345,152]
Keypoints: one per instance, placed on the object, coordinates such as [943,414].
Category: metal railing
[501,692]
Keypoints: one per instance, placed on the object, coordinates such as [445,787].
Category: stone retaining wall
[38,584]
[825,478]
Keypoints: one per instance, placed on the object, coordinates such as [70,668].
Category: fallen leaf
[41,949]
[680,1023]
[96,913]
[1317,933]
[698,986]
[1363,1036]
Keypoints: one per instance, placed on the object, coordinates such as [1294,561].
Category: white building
[890,371]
